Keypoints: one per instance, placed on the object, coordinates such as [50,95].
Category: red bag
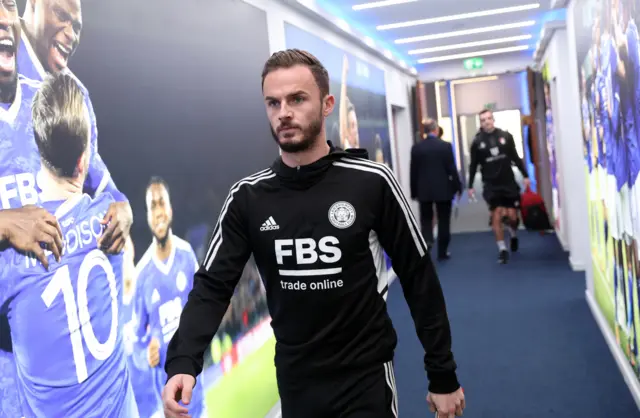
[534,212]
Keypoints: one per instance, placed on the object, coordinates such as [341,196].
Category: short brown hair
[60,123]
[483,111]
[292,57]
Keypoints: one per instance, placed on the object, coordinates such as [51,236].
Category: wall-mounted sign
[491,106]
[473,63]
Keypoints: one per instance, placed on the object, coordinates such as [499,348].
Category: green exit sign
[473,63]
[491,106]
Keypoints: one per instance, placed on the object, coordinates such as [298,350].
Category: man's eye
[298,100]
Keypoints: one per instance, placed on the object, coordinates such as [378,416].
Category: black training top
[317,233]
[495,152]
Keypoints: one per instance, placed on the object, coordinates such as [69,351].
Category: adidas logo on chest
[269,225]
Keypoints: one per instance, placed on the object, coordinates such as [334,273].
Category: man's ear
[82,165]
[329,103]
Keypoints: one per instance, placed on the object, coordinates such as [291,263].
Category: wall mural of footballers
[360,119]
[551,146]
[85,323]
[609,67]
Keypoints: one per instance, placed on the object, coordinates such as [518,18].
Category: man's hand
[472,194]
[118,219]
[26,228]
[153,352]
[527,183]
[447,405]
[178,388]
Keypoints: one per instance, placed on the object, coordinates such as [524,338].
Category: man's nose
[70,34]
[5,19]
[285,112]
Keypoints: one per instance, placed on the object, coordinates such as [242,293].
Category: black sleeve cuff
[181,365]
[443,382]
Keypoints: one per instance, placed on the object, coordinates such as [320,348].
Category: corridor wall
[180,117]
[539,113]
[607,67]
[552,129]
[549,91]
[567,147]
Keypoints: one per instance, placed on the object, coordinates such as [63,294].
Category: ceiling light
[474,80]
[374,4]
[459,16]
[311,4]
[469,44]
[413,70]
[474,54]
[388,54]
[465,32]
[342,24]
[403,64]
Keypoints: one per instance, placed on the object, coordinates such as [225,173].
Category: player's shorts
[621,302]
[612,202]
[501,199]
[630,287]
[593,185]
[635,207]
[503,202]
[621,311]
[603,183]
[356,393]
[624,202]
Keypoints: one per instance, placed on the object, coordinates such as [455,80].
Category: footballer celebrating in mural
[165,277]
[24,228]
[64,317]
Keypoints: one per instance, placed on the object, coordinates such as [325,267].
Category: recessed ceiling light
[469,44]
[465,32]
[388,54]
[311,4]
[370,42]
[374,4]
[413,70]
[473,54]
[342,24]
[474,79]
[461,16]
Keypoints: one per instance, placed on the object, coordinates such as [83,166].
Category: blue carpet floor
[524,338]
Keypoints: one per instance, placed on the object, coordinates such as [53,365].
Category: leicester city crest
[342,215]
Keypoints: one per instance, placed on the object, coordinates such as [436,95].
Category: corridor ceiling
[420,33]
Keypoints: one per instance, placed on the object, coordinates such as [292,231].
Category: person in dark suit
[434,182]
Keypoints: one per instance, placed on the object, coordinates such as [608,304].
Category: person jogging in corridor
[495,151]
[317,222]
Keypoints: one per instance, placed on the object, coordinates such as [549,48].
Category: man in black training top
[495,150]
[317,222]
